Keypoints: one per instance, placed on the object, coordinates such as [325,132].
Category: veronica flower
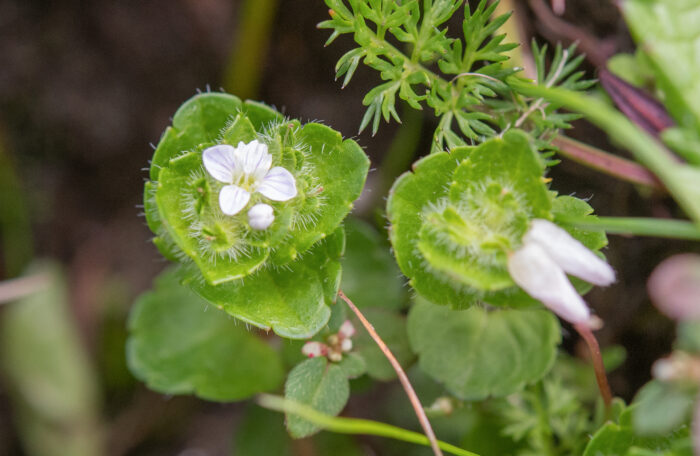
[246,170]
[540,266]
[338,344]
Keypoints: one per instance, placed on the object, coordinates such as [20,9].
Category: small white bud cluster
[338,344]
[540,266]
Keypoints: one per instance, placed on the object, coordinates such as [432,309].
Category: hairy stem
[403,378]
[598,366]
[605,162]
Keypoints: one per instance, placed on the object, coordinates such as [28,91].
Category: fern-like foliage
[462,78]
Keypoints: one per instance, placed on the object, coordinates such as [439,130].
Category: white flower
[540,266]
[260,216]
[246,170]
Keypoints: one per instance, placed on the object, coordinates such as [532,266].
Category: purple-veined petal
[253,159]
[572,256]
[260,216]
[232,199]
[219,162]
[278,185]
[535,271]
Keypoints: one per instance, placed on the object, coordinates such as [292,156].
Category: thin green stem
[680,180]
[352,425]
[637,226]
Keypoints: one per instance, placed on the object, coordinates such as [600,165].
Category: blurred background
[87,87]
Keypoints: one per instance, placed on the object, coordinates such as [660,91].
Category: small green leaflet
[180,345]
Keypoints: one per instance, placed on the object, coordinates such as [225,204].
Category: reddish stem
[403,378]
[598,366]
[606,163]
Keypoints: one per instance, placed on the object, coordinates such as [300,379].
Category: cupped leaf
[457,215]
[370,275]
[339,171]
[179,346]
[317,383]
[199,120]
[318,174]
[293,301]
[478,353]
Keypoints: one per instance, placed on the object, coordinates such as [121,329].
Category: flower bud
[313,349]
[533,269]
[260,216]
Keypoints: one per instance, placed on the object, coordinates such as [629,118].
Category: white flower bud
[260,216]
[346,329]
[541,277]
[313,349]
[346,345]
[572,256]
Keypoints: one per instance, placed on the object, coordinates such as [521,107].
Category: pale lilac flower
[260,216]
[246,170]
[540,266]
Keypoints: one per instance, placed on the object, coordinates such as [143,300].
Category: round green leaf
[293,301]
[478,353]
[181,200]
[317,383]
[179,346]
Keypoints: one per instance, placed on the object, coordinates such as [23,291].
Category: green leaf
[662,407]
[619,439]
[47,375]
[317,383]
[370,275]
[391,327]
[199,120]
[179,346]
[293,301]
[478,353]
[352,365]
[181,201]
[667,32]
[456,216]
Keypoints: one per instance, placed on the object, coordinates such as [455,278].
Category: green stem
[679,179]
[245,64]
[352,425]
[637,226]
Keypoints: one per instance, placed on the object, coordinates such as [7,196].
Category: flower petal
[278,185]
[572,256]
[219,162]
[232,199]
[536,272]
[253,158]
[260,216]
